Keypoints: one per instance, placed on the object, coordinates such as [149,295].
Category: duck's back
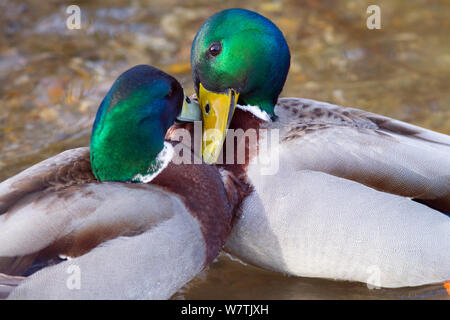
[382,153]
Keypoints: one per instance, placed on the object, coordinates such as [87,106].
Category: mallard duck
[120,216]
[357,196]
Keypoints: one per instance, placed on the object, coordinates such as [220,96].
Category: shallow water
[53,79]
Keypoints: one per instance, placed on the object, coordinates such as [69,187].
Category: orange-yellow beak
[217,110]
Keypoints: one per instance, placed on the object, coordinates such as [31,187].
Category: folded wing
[382,153]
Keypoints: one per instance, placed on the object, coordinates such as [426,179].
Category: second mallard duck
[357,196]
[118,220]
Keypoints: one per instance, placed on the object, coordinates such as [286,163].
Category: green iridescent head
[244,57]
[131,123]
[241,50]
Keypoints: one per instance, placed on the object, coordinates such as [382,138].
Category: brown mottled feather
[322,131]
[74,170]
[83,240]
[16,265]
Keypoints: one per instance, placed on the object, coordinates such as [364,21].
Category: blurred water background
[52,80]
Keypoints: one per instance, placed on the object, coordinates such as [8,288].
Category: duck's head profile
[127,141]
[238,56]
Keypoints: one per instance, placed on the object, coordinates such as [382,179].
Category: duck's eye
[188,100]
[207,108]
[214,49]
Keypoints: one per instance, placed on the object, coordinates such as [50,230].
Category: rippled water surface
[53,79]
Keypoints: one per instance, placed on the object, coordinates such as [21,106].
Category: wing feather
[385,154]
[57,208]
[68,168]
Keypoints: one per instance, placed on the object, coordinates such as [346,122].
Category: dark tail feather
[442,204]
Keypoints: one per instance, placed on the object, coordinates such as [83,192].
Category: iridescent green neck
[131,123]
[254,58]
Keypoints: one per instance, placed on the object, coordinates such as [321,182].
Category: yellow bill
[217,110]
